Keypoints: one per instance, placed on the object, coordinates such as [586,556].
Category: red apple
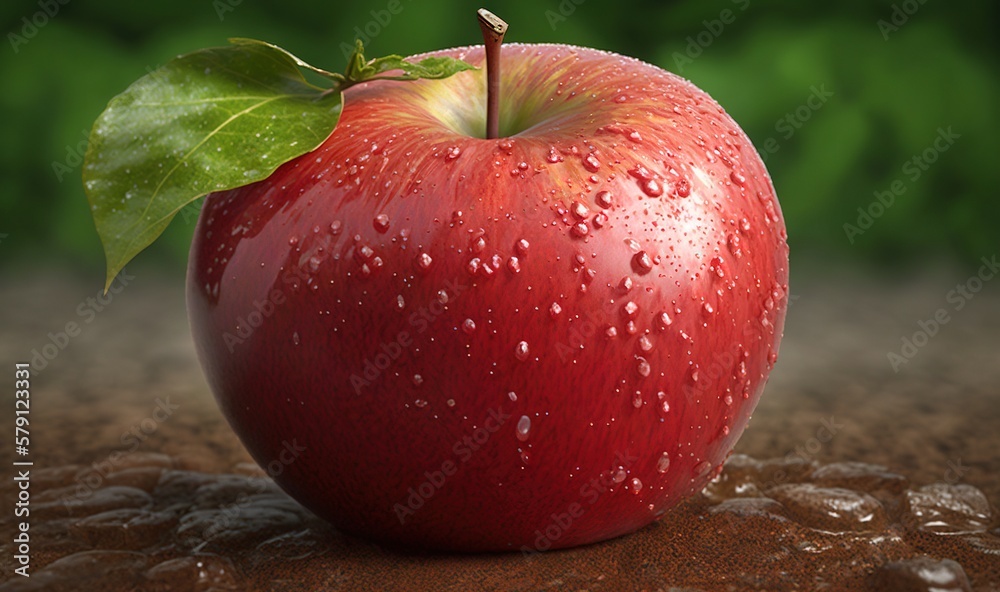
[536,341]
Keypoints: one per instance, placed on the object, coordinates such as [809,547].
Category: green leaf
[211,120]
[207,121]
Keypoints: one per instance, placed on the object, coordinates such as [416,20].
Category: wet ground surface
[851,476]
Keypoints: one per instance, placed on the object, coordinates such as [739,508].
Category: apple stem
[493,28]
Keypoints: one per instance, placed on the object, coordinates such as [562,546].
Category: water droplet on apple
[738,178]
[512,396]
[579,210]
[715,265]
[450,402]
[555,310]
[682,187]
[521,247]
[637,399]
[664,405]
[521,351]
[514,265]
[642,262]
[621,99]
[453,153]
[604,199]
[642,367]
[610,332]
[420,403]
[424,261]
[645,343]
[636,485]
[630,309]
[295,338]
[381,223]
[364,253]
[663,321]
[707,309]
[418,380]
[469,326]
[701,469]
[523,427]
[640,172]
[651,187]
[579,230]
[663,463]
[733,244]
[600,220]
[400,302]
[472,266]
[314,263]
[591,163]
[618,475]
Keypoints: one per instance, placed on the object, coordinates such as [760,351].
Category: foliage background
[891,95]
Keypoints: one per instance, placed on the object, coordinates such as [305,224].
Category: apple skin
[667,292]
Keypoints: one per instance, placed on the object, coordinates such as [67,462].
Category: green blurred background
[926,67]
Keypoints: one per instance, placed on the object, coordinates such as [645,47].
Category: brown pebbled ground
[871,479]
